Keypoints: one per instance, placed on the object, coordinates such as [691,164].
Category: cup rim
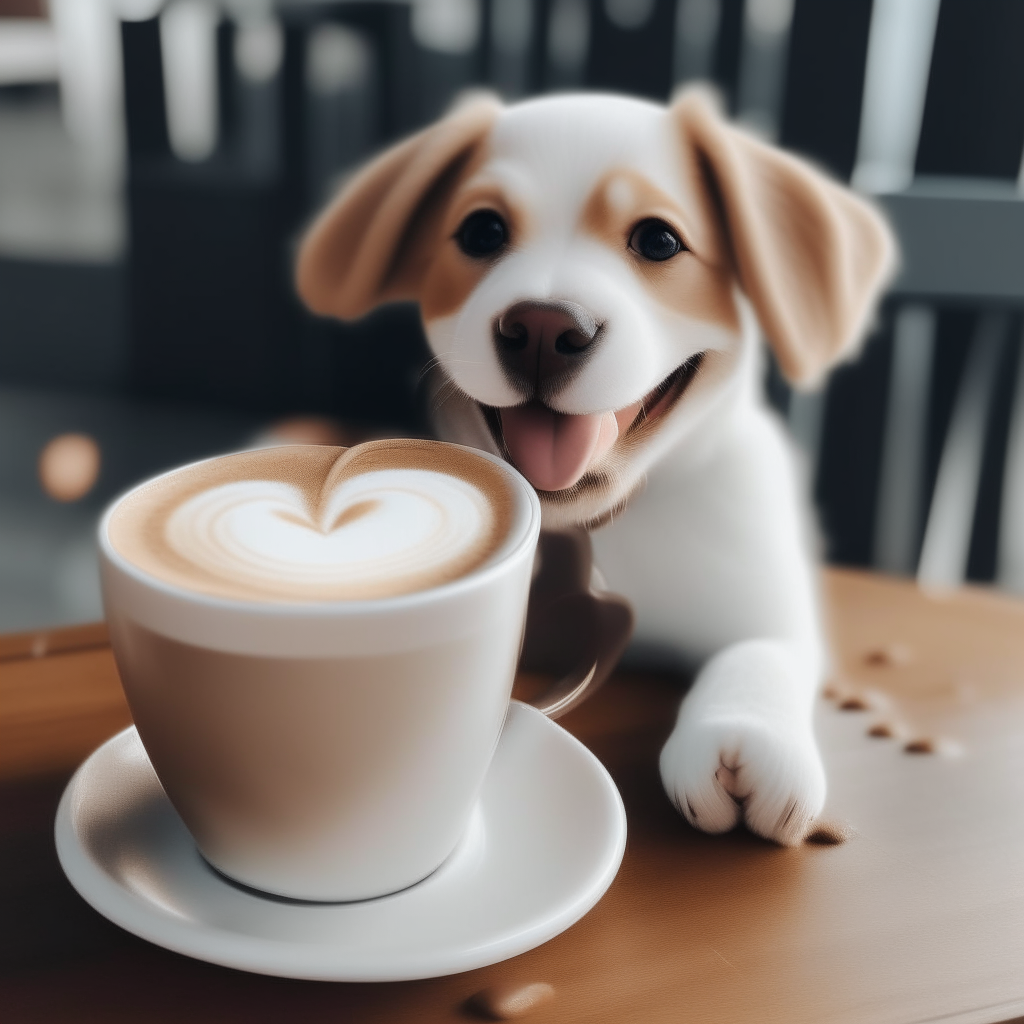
[454,588]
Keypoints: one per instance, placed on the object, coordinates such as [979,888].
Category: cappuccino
[318,647]
[317,523]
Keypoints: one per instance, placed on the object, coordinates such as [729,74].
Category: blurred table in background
[918,917]
[48,570]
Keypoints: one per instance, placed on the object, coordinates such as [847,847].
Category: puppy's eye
[482,233]
[655,240]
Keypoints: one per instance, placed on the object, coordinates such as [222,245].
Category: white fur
[713,552]
[715,557]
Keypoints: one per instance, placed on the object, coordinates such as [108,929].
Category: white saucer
[545,843]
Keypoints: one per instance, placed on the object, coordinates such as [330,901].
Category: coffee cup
[318,647]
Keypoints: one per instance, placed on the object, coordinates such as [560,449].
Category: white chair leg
[947,536]
[895,84]
[697,25]
[1010,559]
[904,447]
[766,25]
[806,417]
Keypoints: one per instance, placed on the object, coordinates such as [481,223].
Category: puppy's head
[580,264]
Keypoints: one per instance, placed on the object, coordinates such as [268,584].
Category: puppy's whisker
[466,362]
[443,396]
[447,391]
[432,364]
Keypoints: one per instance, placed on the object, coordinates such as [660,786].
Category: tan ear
[361,251]
[811,256]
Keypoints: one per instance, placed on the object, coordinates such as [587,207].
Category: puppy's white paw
[743,748]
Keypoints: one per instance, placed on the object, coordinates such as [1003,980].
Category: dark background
[191,341]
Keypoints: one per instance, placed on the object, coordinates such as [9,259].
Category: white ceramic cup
[324,751]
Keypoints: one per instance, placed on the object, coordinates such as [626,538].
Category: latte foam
[316,523]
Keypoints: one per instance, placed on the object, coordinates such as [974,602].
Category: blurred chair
[916,449]
[220,180]
[940,142]
[916,101]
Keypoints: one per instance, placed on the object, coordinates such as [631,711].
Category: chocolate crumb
[509,1001]
[891,654]
[884,730]
[920,746]
[855,704]
[829,833]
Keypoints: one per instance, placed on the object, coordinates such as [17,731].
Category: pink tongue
[552,449]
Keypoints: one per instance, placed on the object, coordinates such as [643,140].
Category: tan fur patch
[376,241]
[690,282]
[811,256]
[452,275]
[428,234]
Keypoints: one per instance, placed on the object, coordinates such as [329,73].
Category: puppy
[594,275]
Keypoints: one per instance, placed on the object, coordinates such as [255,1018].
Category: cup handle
[572,620]
[566,693]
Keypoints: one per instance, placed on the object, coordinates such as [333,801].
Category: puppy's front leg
[743,746]
[715,558]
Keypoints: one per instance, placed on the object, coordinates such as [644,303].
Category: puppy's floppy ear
[361,250]
[810,255]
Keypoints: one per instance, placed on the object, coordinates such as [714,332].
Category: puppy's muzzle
[542,345]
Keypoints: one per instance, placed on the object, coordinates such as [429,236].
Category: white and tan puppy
[594,275]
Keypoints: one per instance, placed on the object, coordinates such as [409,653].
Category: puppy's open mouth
[553,450]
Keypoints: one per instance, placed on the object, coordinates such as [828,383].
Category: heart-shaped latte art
[409,524]
[382,519]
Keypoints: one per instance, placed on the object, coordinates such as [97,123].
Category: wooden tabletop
[918,917]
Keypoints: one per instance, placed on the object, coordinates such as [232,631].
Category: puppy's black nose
[539,342]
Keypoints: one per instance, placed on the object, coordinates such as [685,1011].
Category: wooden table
[918,917]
